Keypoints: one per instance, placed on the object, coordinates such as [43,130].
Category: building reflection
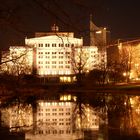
[54,119]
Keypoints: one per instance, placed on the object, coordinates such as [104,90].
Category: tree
[129,59]
[17,61]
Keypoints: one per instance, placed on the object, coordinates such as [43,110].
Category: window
[53,62]
[40,45]
[40,52]
[40,114]
[54,131]
[47,56]
[68,109]
[54,52]
[61,57]
[67,52]
[54,114]
[47,114]
[40,131]
[53,56]
[68,131]
[67,66]
[61,119]
[68,56]
[47,62]
[47,109]
[53,45]
[61,114]
[60,52]
[47,131]
[67,45]
[60,62]
[40,62]
[61,131]
[68,119]
[47,45]
[53,67]
[68,113]
[61,66]
[47,52]
[54,109]
[61,123]
[47,120]
[40,56]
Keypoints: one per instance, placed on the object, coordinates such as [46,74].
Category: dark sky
[20,18]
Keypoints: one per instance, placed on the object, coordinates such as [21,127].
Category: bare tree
[129,59]
[17,61]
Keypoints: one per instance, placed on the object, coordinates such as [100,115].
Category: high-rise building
[94,35]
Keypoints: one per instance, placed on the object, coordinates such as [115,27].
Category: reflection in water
[63,119]
[135,114]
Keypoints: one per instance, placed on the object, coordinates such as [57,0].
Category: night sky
[20,18]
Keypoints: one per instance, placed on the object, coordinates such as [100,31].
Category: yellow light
[69,97]
[98,32]
[124,74]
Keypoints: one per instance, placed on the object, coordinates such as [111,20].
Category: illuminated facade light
[98,32]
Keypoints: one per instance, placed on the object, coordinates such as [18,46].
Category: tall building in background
[94,35]
[97,36]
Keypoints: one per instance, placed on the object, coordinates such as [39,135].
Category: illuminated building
[57,54]
[60,119]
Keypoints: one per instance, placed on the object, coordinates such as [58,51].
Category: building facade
[57,54]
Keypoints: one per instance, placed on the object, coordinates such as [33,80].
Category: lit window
[53,62]
[61,66]
[53,45]
[61,57]
[40,45]
[47,45]
[54,52]
[53,56]
[47,56]
[53,67]
[67,66]
[54,109]
[47,62]
[60,109]
[47,67]
[60,62]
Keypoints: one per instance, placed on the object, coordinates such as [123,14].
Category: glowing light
[124,74]
[98,32]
